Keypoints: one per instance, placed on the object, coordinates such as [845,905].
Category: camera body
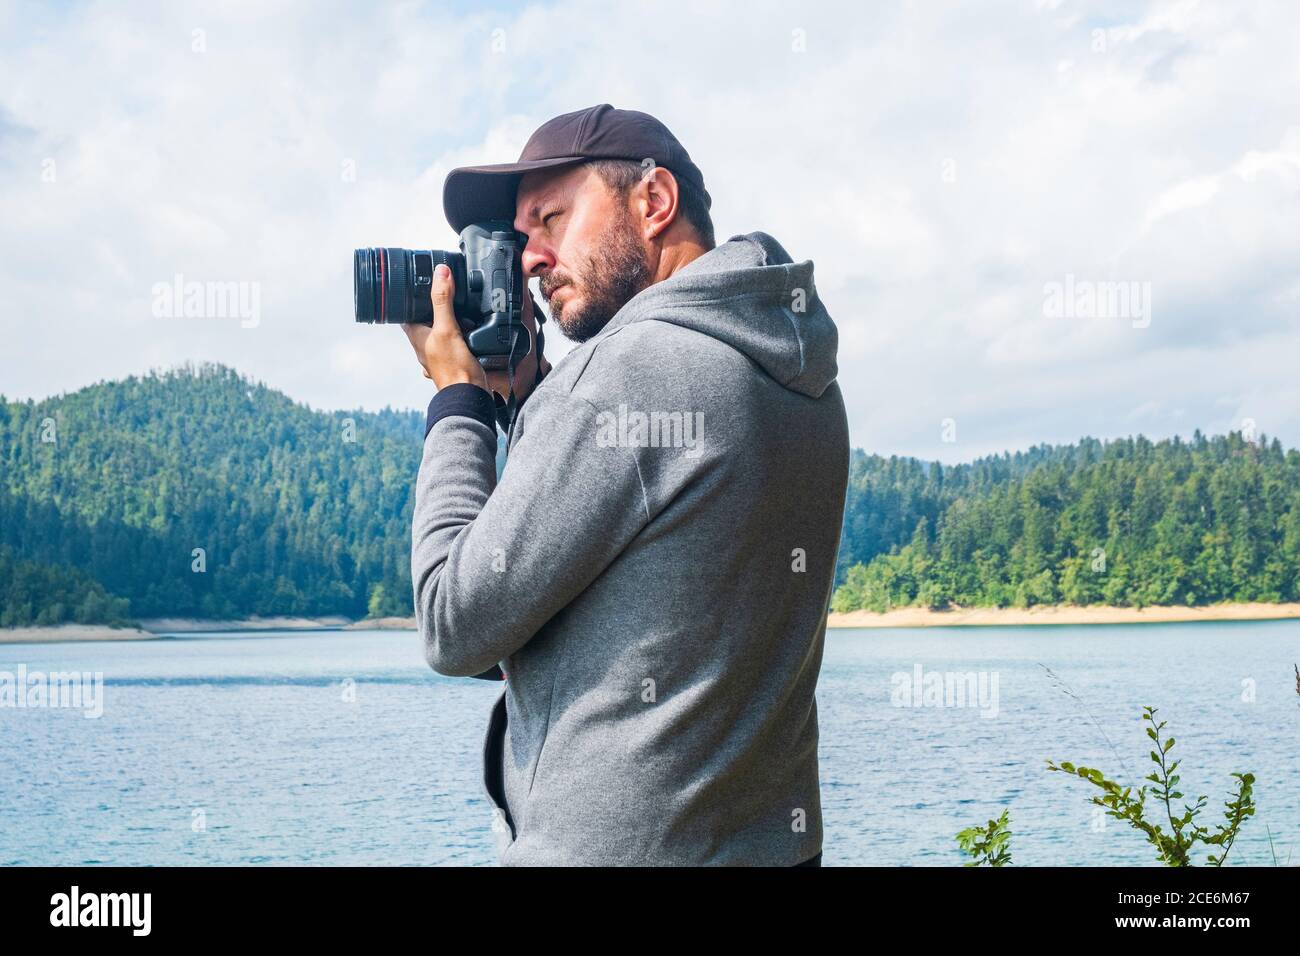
[391,285]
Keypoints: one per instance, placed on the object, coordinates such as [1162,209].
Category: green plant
[1175,847]
[990,845]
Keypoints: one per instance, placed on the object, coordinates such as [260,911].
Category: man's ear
[658,200]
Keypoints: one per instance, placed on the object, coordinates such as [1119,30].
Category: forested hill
[199,492]
[1129,523]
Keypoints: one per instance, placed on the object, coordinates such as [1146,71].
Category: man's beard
[615,272]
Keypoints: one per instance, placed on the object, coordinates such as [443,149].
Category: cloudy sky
[949,170]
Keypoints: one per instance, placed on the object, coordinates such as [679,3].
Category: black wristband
[502,412]
[464,399]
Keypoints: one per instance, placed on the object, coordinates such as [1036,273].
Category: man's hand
[441,349]
[445,357]
[526,373]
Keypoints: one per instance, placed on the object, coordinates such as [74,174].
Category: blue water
[344,748]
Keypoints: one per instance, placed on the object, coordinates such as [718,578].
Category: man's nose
[534,259]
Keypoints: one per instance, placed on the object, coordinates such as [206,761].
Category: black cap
[474,193]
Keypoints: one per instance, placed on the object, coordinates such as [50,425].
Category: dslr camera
[392,285]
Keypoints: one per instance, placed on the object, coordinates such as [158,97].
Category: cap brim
[475,193]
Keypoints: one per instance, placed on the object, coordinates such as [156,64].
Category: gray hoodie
[651,573]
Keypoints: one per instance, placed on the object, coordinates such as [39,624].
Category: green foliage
[384,604]
[1129,523]
[292,516]
[990,845]
[294,519]
[1175,846]
[44,595]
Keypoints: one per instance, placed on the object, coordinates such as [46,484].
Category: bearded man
[651,573]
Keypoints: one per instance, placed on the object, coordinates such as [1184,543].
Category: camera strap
[512,404]
[512,400]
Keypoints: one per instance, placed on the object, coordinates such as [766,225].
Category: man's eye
[549,216]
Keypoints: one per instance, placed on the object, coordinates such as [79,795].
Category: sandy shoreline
[69,633]
[383,624]
[1060,614]
[160,627]
[900,617]
[185,625]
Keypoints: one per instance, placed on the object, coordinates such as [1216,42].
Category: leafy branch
[1175,846]
[990,845]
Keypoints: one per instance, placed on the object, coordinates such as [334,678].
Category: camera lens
[381,286]
[392,285]
[365,285]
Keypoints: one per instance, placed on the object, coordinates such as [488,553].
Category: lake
[343,747]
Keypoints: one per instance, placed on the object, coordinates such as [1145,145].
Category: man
[651,574]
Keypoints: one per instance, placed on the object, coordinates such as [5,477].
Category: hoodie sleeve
[492,562]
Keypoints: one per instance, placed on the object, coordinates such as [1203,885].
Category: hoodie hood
[748,293]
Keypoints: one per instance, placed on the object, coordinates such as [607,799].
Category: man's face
[583,243]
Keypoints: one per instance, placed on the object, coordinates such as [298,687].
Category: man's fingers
[442,292]
[529,313]
[441,348]
[416,333]
[418,336]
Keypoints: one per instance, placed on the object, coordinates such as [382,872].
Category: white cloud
[936,162]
